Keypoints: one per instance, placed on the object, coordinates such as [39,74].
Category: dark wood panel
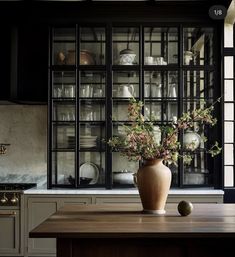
[66,12]
[128,221]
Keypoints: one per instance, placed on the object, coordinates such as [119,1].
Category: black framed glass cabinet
[95,70]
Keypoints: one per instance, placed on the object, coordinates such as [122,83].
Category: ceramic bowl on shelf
[127,57]
[71,59]
[85,181]
[123,177]
[86,58]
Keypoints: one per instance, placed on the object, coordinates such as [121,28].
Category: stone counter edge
[120,192]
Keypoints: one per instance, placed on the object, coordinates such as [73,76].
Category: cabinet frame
[109,67]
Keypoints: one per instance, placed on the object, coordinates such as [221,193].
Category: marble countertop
[98,191]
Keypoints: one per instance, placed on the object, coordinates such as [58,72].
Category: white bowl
[121,177]
[127,59]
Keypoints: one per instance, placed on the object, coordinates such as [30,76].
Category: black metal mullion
[180,98]
[77,109]
[218,47]
[141,63]
[141,70]
[109,107]
[49,116]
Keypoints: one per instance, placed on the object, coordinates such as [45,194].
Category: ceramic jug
[191,139]
[172,91]
[126,91]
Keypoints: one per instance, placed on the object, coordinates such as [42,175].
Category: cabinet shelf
[63,99]
[120,67]
[91,149]
[63,41]
[63,123]
[63,150]
[63,68]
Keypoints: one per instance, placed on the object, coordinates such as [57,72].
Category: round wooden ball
[185,208]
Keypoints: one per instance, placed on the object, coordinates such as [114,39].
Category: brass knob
[4,199]
[14,199]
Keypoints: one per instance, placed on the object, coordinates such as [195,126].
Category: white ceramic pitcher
[126,90]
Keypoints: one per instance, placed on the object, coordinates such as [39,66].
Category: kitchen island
[123,230]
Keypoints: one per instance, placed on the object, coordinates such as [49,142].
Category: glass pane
[64,85]
[228,154]
[229,111]
[92,135]
[123,170]
[64,112]
[228,35]
[63,168]
[92,84]
[64,52]
[197,173]
[198,84]
[158,84]
[126,46]
[228,132]
[120,111]
[228,67]
[155,111]
[125,84]
[92,168]
[92,46]
[198,46]
[92,110]
[191,105]
[228,176]
[228,90]
[160,46]
[161,111]
[63,137]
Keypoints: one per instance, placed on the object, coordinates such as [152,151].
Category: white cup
[146,90]
[149,60]
[98,92]
[69,91]
[159,61]
[156,90]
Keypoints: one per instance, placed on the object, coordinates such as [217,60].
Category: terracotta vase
[154,180]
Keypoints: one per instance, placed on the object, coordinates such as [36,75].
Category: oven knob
[14,199]
[4,199]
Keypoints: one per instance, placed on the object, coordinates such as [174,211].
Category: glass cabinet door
[92,128]
[198,92]
[198,46]
[125,46]
[64,46]
[63,127]
[92,46]
[93,75]
[160,46]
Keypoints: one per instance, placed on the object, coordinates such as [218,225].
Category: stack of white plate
[88,141]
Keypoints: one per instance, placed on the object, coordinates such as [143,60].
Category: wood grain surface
[128,221]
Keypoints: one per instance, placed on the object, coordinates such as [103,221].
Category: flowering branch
[140,142]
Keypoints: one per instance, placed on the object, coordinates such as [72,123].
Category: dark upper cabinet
[29,62]
[5,47]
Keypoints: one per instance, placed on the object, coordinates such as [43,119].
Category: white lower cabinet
[10,233]
[38,209]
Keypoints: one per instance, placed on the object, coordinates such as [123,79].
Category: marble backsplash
[40,180]
[24,127]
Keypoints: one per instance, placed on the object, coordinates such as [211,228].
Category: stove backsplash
[24,127]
